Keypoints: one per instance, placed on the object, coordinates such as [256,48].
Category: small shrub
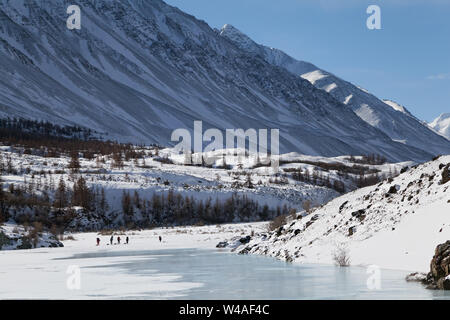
[341,257]
[277,223]
[306,205]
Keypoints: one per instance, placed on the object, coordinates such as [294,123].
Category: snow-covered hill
[395,224]
[391,118]
[442,124]
[34,181]
[139,69]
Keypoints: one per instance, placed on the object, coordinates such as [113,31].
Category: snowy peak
[442,124]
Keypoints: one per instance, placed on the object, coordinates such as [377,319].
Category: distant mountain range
[388,116]
[139,69]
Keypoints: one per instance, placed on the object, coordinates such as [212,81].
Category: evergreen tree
[74,164]
[61,195]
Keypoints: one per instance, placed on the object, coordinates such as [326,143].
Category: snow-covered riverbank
[149,269]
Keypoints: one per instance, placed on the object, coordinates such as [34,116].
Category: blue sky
[407,61]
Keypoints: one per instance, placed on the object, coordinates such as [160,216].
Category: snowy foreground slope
[396,224]
[137,70]
[391,118]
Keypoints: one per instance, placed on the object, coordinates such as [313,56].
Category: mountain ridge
[390,117]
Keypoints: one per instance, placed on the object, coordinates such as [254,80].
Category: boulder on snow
[393,189]
[222,244]
[351,231]
[417,276]
[446,174]
[360,214]
[245,240]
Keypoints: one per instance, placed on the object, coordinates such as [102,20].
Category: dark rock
[310,222]
[358,213]
[439,275]
[296,231]
[222,244]
[393,189]
[443,283]
[246,250]
[404,169]
[445,174]
[351,231]
[245,240]
[280,231]
[342,206]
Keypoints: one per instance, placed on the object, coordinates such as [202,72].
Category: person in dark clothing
[127,240]
[160,238]
[98,241]
[118,240]
[111,240]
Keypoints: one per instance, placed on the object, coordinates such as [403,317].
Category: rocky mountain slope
[391,118]
[139,69]
[396,224]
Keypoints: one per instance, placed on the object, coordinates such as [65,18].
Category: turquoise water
[225,275]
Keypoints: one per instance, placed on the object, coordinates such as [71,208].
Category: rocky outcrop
[440,267]
[17,241]
[439,275]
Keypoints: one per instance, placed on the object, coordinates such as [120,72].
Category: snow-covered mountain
[388,116]
[139,69]
[442,124]
[396,224]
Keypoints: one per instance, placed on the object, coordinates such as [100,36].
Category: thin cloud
[440,76]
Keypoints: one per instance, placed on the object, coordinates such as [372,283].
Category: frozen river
[205,274]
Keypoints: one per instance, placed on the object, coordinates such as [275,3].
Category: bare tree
[341,257]
[306,205]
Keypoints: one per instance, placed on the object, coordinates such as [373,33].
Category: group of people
[111,240]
